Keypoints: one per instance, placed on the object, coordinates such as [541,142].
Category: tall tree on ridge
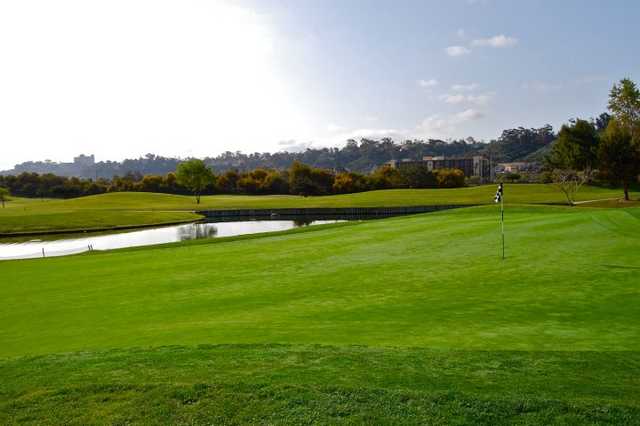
[619,156]
[620,148]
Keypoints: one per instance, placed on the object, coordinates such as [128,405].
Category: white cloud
[446,125]
[457,51]
[293,145]
[465,87]
[427,84]
[453,99]
[469,114]
[458,98]
[499,41]
[373,133]
[436,125]
[481,99]
[332,127]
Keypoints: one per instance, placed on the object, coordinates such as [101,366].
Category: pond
[61,245]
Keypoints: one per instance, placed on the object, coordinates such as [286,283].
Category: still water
[47,246]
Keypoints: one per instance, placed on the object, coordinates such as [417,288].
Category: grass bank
[126,209]
[281,384]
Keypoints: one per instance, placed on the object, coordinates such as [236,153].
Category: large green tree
[620,155]
[576,146]
[624,104]
[574,156]
[195,176]
[620,148]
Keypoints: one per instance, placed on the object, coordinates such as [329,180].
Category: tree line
[195,177]
[607,147]
[361,156]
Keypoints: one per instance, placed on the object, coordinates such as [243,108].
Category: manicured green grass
[275,384]
[123,209]
[611,204]
[550,335]
[433,280]
[83,220]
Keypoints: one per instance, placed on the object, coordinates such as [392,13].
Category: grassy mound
[123,209]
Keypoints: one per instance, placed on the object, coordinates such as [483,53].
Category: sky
[184,78]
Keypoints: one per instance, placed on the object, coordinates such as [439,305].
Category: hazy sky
[193,78]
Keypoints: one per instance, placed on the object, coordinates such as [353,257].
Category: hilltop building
[518,167]
[82,166]
[476,166]
[84,160]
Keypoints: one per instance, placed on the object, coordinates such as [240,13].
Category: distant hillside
[364,156]
[518,144]
[539,155]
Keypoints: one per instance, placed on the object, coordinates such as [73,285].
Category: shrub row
[299,179]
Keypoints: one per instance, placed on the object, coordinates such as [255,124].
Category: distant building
[83,165]
[518,167]
[476,166]
[84,160]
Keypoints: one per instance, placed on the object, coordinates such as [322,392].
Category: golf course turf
[408,320]
[113,210]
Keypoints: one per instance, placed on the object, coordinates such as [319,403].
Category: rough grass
[122,209]
[276,384]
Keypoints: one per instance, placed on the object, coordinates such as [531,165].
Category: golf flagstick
[502,222]
[500,199]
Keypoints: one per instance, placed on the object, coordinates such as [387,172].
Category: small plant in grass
[569,182]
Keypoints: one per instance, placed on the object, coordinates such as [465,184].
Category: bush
[417,176]
[305,180]
[512,177]
[449,178]
[248,185]
[275,183]
[473,181]
[385,177]
[300,179]
[348,182]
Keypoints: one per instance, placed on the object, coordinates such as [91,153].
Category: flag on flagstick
[499,194]
[499,198]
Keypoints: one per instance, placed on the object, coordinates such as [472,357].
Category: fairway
[432,280]
[124,209]
[566,297]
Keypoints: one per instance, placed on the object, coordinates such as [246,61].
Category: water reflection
[196,231]
[302,221]
[49,246]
